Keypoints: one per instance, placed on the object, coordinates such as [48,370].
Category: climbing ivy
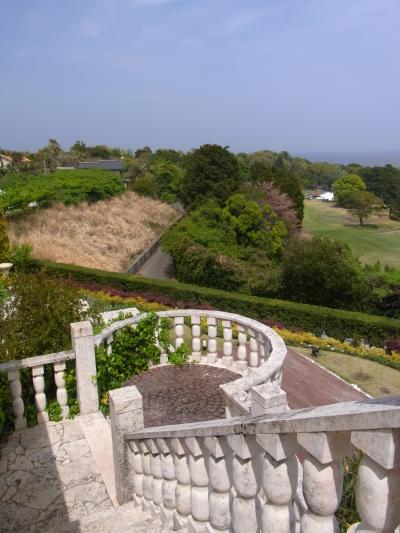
[133,348]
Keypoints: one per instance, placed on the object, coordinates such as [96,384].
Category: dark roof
[109,164]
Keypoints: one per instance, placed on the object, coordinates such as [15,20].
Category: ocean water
[362,158]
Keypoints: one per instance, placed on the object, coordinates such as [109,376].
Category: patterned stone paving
[174,395]
[48,479]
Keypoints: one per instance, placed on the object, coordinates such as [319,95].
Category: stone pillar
[267,398]
[182,491]
[247,469]
[138,472]
[196,341]
[126,415]
[241,363]
[279,482]
[109,341]
[220,473]
[147,476]
[179,322]
[17,401]
[62,395]
[168,488]
[227,359]
[85,360]
[199,489]
[378,480]
[261,347]
[254,359]
[322,479]
[40,396]
[156,484]
[212,340]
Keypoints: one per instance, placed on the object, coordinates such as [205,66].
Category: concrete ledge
[379,413]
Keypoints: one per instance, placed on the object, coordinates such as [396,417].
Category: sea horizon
[365,158]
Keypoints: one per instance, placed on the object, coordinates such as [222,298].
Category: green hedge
[335,322]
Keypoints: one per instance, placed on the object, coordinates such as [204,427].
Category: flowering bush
[303,338]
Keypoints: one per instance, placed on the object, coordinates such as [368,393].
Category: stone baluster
[40,396]
[147,476]
[109,341]
[182,491]
[227,359]
[179,322]
[212,354]
[199,487]
[322,479]
[168,488]
[17,401]
[138,472]
[62,395]
[261,347]
[280,472]
[378,481]
[163,354]
[220,470]
[196,341]
[247,469]
[241,363]
[156,484]
[254,359]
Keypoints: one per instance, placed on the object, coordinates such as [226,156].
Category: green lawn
[379,240]
[371,377]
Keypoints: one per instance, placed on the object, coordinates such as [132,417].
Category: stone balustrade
[84,355]
[251,349]
[274,473]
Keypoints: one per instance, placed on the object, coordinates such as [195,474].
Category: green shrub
[4,242]
[66,186]
[336,323]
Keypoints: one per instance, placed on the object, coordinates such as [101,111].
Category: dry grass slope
[108,234]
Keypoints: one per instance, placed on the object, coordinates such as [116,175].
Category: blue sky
[296,75]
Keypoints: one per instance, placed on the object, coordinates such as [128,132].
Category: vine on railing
[133,349]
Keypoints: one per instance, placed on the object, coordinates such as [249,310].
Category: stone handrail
[260,355]
[272,473]
[85,364]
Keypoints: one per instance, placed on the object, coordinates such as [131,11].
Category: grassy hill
[379,240]
[107,234]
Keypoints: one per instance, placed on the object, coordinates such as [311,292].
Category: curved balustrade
[257,353]
[244,475]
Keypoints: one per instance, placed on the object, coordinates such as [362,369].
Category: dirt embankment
[108,234]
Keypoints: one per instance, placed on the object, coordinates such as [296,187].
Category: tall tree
[346,185]
[362,204]
[211,171]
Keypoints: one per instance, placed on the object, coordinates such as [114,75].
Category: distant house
[6,160]
[326,196]
[115,165]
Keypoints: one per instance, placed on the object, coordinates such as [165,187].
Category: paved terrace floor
[53,476]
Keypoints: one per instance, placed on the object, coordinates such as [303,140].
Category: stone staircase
[125,518]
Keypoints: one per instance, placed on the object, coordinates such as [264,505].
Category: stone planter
[5,269]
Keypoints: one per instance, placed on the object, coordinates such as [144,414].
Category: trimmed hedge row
[334,322]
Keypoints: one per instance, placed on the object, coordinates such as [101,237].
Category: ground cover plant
[66,186]
[107,234]
[371,376]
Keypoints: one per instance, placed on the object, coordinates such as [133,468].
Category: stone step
[125,518]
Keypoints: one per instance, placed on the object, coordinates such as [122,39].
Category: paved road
[308,385]
[173,395]
[158,266]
